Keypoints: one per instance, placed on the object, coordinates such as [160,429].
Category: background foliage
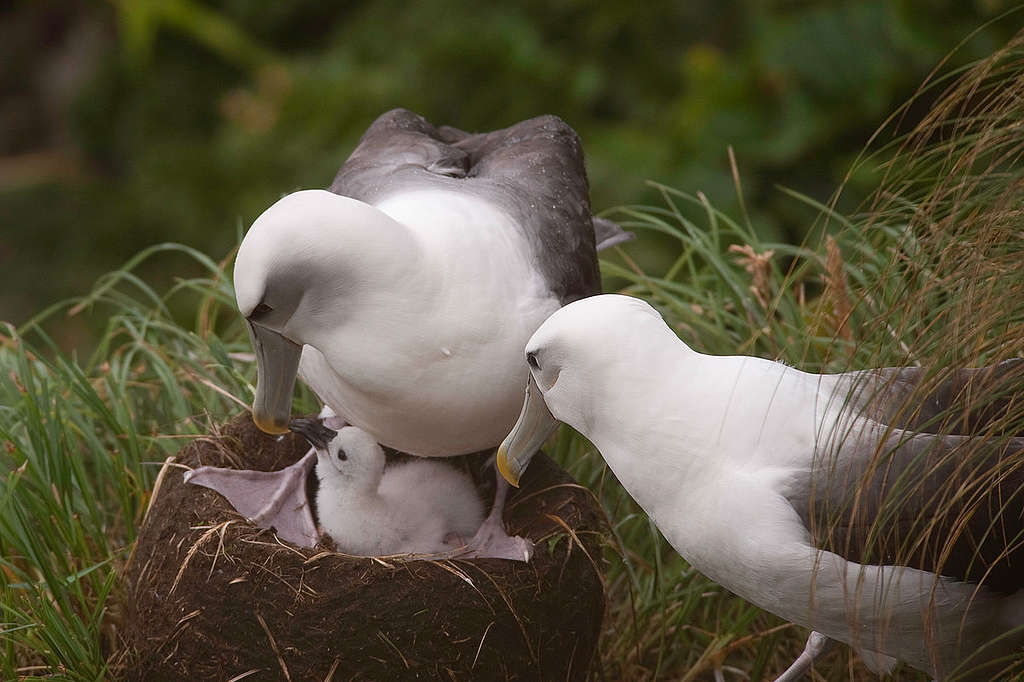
[136,121]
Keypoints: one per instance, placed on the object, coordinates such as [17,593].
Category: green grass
[83,439]
[929,275]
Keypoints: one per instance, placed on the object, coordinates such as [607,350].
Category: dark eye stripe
[531,359]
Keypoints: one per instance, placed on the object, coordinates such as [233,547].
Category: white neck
[374,269]
[356,271]
[666,433]
[652,416]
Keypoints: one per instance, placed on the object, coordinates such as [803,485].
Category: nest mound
[211,596]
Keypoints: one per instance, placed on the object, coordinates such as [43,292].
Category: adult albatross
[403,296]
[828,500]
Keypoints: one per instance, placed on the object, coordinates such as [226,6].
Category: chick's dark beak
[314,431]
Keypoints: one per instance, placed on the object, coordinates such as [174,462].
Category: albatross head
[572,357]
[350,454]
[300,270]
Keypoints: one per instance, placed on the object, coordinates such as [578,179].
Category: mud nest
[210,596]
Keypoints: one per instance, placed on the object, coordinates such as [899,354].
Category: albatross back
[532,170]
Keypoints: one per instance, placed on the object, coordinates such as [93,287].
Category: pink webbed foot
[491,541]
[269,499]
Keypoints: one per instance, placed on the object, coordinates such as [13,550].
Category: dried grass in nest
[210,596]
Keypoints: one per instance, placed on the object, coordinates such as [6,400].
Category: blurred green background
[130,122]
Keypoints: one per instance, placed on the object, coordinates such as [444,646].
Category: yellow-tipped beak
[268,423]
[507,472]
[534,426]
[277,363]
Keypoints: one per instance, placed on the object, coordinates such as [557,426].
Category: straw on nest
[210,596]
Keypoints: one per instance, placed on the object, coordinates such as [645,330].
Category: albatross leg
[491,540]
[817,644]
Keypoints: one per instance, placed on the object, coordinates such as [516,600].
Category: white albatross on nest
[420,506]
[771,481]
[403,296]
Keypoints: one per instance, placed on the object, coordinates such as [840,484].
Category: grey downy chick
[421,506]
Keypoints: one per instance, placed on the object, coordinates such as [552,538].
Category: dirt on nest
[210,596]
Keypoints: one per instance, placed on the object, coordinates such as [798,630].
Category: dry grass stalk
[759,266]
[274,648]
[836,291]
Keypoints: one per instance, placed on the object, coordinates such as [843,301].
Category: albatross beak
[314,431]
[277,363]
[533,428]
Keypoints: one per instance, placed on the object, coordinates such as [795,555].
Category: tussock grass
[928,275]
[82,441]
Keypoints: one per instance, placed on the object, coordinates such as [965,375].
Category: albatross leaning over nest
[825,499]
[404,295]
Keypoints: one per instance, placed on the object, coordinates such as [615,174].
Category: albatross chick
[420,506]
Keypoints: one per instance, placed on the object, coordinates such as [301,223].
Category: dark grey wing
[532,170]
[399,151]
[946,401]
[607,233]
[951,501]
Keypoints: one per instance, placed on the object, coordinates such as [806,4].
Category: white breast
[437,370]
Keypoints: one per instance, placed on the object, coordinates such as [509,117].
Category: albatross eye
[261,309]
[531,359]
[342,455]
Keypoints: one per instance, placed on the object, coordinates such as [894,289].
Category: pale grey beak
[533,428]
[277,363]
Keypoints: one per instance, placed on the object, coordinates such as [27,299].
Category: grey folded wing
[933,478]
[532,170]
